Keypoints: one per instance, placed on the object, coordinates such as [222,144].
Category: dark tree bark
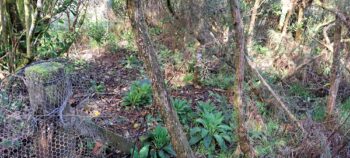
[161,96]
[237,99]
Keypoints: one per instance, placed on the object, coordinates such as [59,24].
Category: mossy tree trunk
[161,96]
[2,21]
[237,99]
[27,19]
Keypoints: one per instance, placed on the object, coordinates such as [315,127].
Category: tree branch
[345,19]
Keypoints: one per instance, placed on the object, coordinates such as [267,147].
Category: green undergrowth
[140,94]
[156,144]
[208,127]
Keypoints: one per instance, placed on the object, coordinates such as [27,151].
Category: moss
[44,70]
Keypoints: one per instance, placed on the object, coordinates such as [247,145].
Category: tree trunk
[3,28]
[286,6]
[3,32]
[2,19]
[335,73]
[299,32]
[286,23]
[237,99]
[27,19]
[252,25]
[161,97]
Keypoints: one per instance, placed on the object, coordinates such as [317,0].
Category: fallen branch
[273,93]
[86,127]
[83,125]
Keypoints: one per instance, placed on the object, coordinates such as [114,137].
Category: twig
[323,44]
[1,58]
[335,129]
[278,98]
[343,18]
[81,103]
[325,35]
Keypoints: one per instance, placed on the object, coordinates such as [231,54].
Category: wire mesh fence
[36,114]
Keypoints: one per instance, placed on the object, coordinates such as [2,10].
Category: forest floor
[106,108]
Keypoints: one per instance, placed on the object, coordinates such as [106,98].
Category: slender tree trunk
[286,6]
[335,73]
[299,32]
[286,23]
[27,19]
[237,99]
[5,34]
[252,25]
[3,30]
[2,18]
[147,52]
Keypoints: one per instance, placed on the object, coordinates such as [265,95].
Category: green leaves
[183,110]
[97,31]
[220,141]
[144,151]
[97,87]
[131,61]
[169,149]
[207,141]
[161,137]
[156,145]
[206,107]
[55,42]
[140,94]
[299,90]
[211,129]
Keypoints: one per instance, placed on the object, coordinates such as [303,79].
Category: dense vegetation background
[199,78]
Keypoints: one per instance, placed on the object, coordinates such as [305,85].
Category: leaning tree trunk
[237,99]
[147,52]
[335,74]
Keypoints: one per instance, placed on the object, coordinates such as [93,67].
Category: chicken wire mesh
[36,117]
